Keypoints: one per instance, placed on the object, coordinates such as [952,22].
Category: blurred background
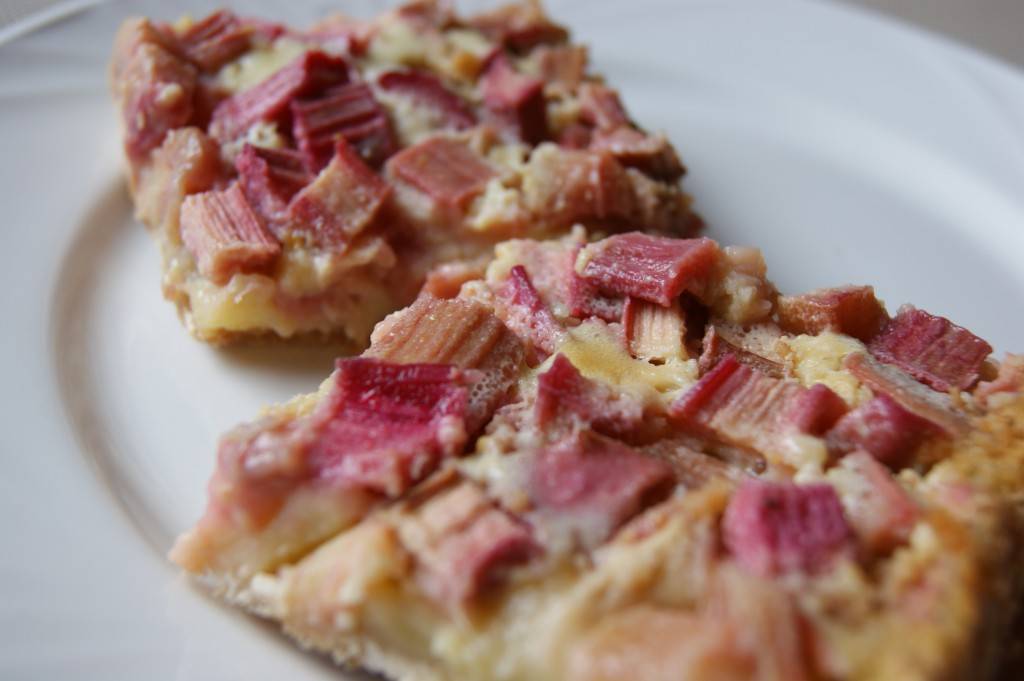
[993,26]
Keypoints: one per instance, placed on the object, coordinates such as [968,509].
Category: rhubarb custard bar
[305,181]
[633,458]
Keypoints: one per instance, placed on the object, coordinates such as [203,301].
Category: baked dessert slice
[634,458]
[306,180]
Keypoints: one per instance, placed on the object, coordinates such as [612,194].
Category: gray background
[993,26]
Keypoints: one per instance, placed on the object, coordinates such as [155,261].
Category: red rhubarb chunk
[307,75]
[565,65]
[851,310]
[523,311]
[596,483]
[583,186]
[446,280]
[225,235]
[575,136]
[882,428]
[652,268]
[653,332]
[774,528]
[343,199]
[566,398]
[428,91]
[156,93]
[349,112]
[387,426]
[519,26]
[880,511]
[601,107]
[932,349]
[459,332]
[744,407]
[585,300]
[909,393]
[270,178]
[816,410]
[515,100]
[216,40]
[426,16]
[462,543]
[443,168]
[715,346]
[651,154]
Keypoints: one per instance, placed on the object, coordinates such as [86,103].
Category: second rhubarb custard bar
[304,181]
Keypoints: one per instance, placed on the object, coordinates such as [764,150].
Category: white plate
[850,149]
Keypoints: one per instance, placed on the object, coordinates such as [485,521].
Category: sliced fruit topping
[932,349]
[309,74]
[348,111]
[515,100]
[225,235]
[691,467]
[445,169]
[815,410]
[909,393]
[585,300]
[566,400]
[312,468]
[386,426]
[564,186]
[342,201]
[461,542]
[519,26]
[186,163]
[773,528]
[653,332]
[521,308]
[270,178]
[215,40]
[459,332]
[743,407]
[601,107]
[596,484]
[155,89]
[851,310]
[881,512]
[446,280]
[562,65]
[716,346]
[427,90]
[651,154]
[652,268]
[883,429]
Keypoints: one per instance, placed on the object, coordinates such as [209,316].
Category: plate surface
[848,148]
